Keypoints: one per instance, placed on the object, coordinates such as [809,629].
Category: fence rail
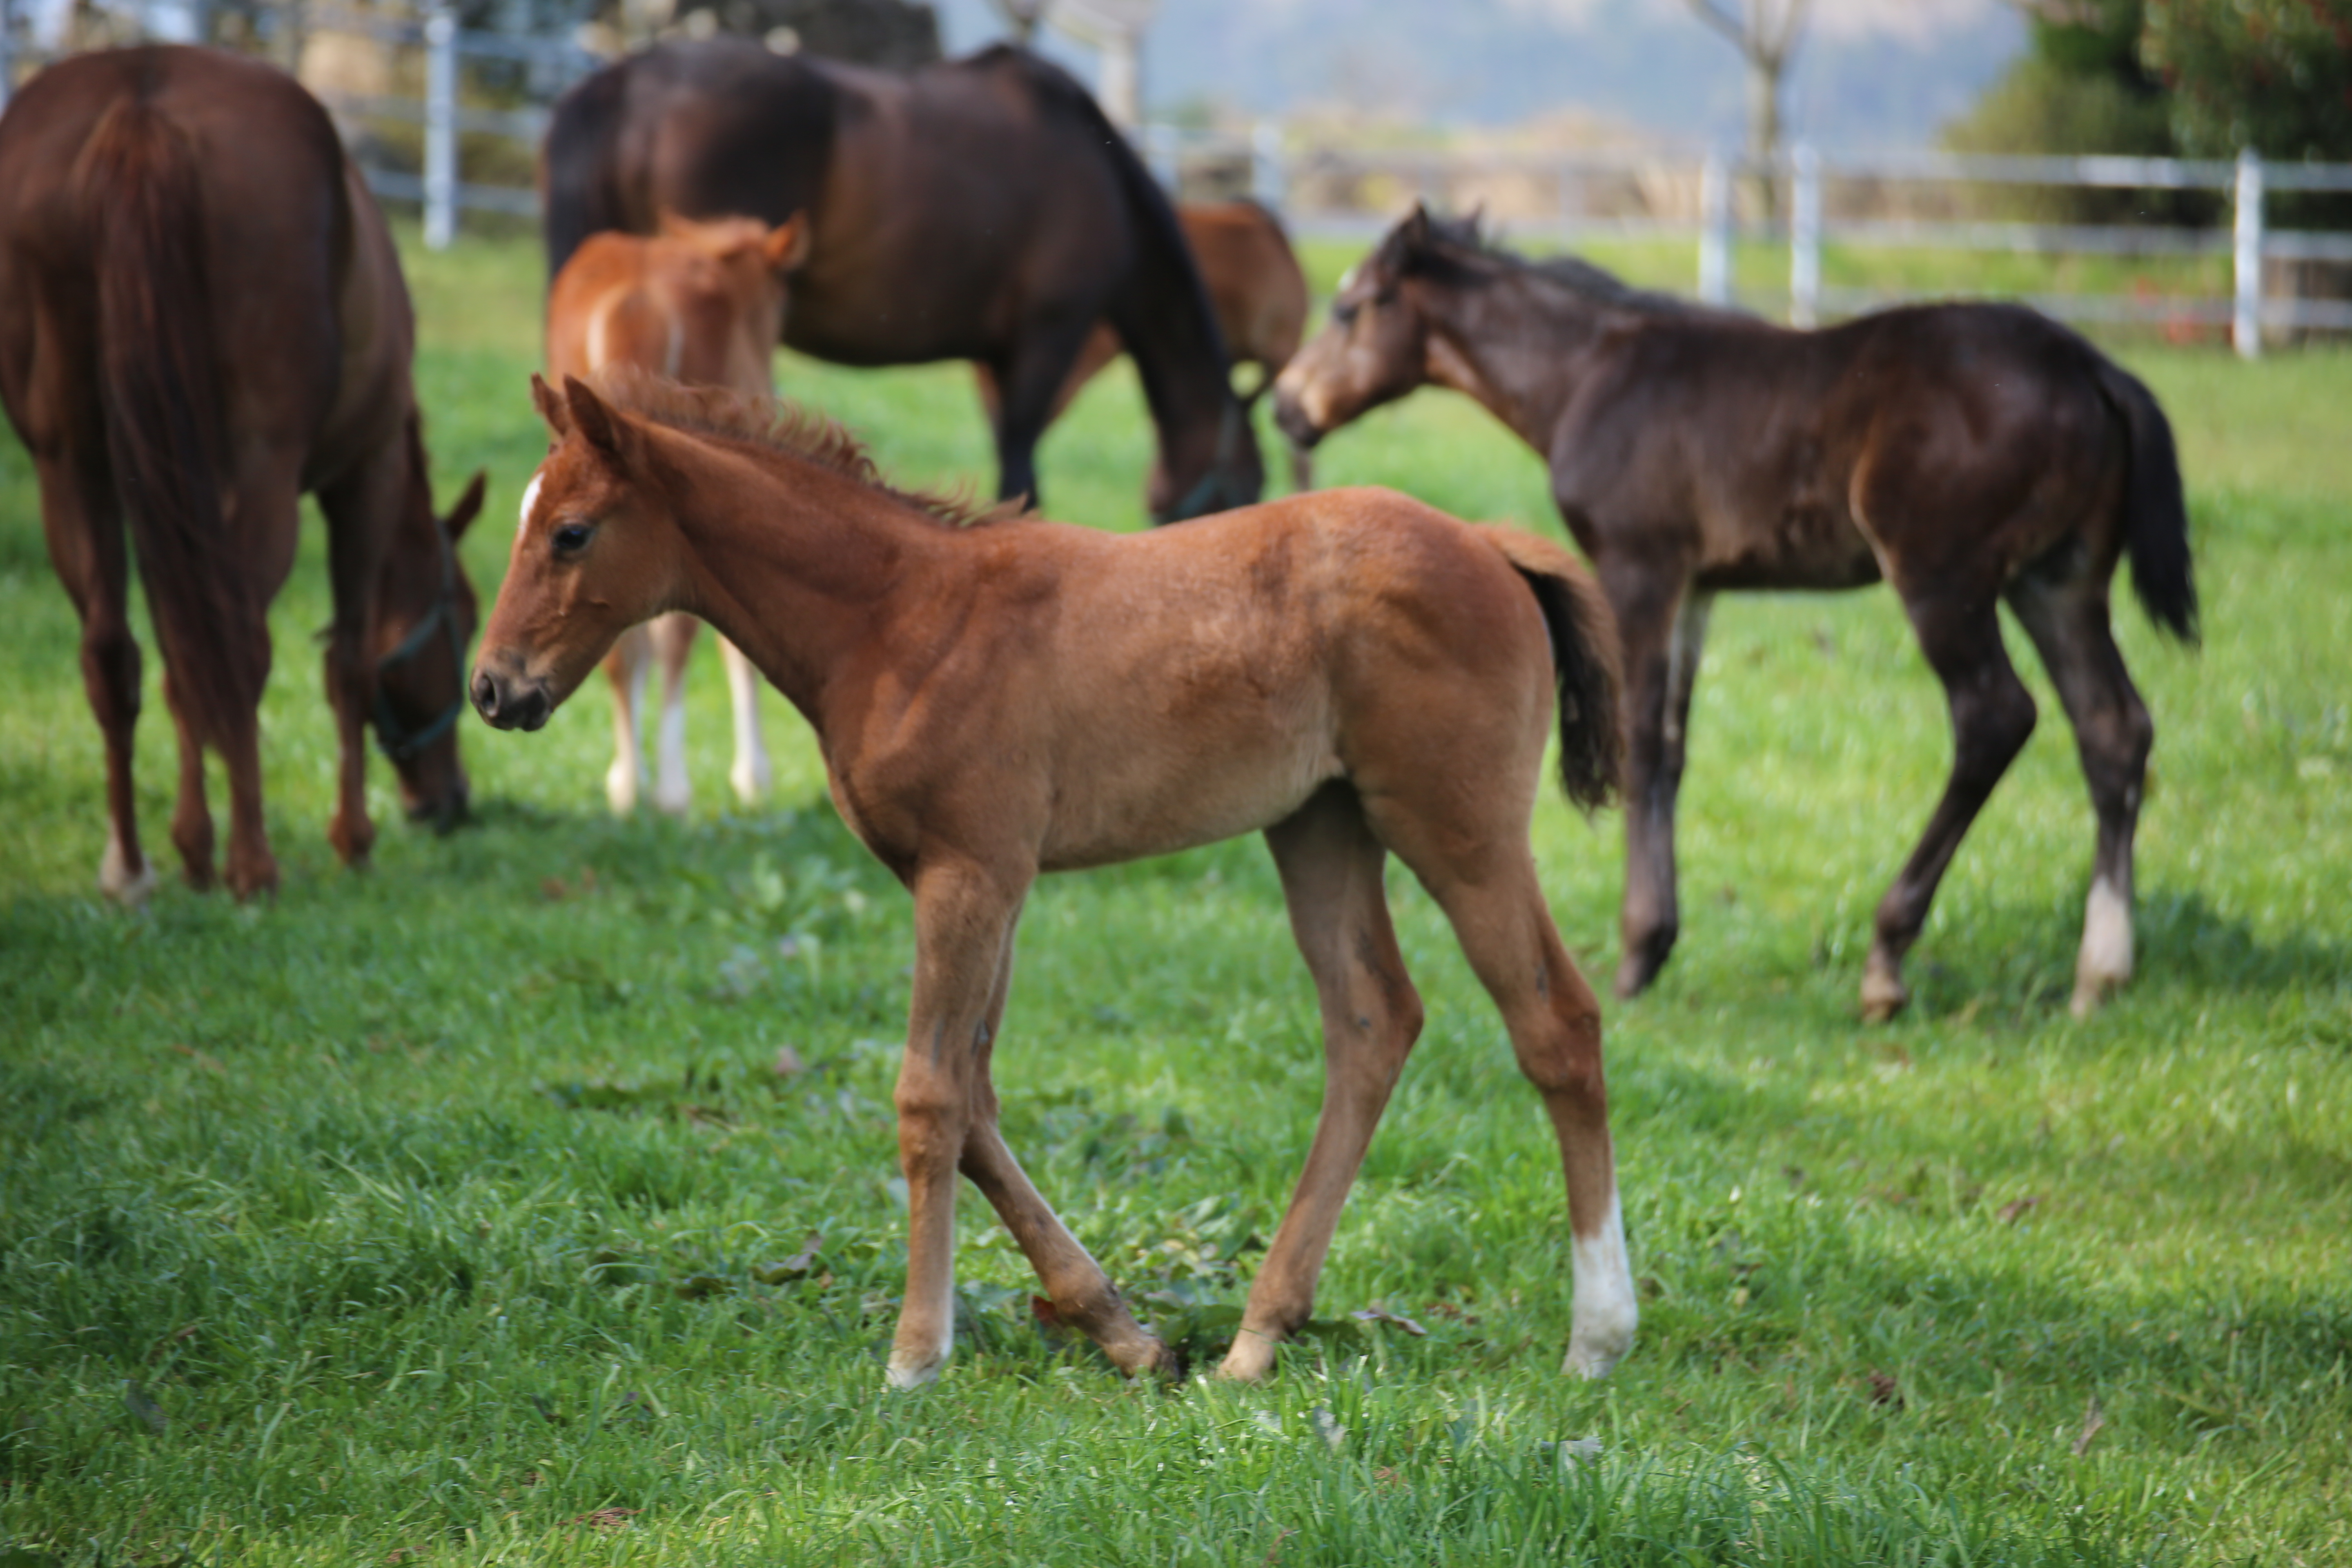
[1276,172]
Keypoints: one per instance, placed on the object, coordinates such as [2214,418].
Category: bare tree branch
[1722,21]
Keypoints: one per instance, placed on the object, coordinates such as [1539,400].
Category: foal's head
[1375,347]
[597,550]
[744,261]
[425,617]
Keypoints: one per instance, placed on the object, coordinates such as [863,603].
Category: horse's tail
[576,168]
[2156,516]
[1585,663]
[161,386]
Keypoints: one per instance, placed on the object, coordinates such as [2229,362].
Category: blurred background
[2173,167]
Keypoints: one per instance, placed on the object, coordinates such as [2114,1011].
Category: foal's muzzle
[511,702]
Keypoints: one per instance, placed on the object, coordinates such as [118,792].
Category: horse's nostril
[486,694]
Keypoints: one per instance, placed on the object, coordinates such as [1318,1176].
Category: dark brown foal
[1966,453]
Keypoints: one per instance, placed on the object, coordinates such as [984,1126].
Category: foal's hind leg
[1993,715]
[1331,865]
[751,773]
[1485,881]
[673,640]
[1663,628]
[626,667]
[2068,623]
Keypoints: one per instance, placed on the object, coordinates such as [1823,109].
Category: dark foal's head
[1375,347]
[426,613]
[594,554]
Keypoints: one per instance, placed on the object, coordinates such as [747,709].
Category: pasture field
[529,1199]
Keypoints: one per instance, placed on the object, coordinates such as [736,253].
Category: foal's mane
[1450,238]
[779,426]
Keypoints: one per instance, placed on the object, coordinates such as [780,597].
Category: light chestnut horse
[1350,671]
[1256,288]
[701,302]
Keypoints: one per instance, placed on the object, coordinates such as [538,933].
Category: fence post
[1715,230]
[2246,317]
[1267,182]
[8,50]
[440,128]
[1805,236]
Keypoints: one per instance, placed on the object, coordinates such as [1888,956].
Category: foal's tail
[1584,656]
[2156,517]
[160,387]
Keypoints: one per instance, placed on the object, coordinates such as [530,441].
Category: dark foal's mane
[779,425]
[1456,250]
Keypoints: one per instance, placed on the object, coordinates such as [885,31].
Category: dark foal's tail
[159,385]
[1585,661]
[2156,517]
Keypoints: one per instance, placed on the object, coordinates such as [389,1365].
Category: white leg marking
[624,779]
[1601,1329]
[751,773]
[118,879]
[907,1371]
[2106,957]
[673,792]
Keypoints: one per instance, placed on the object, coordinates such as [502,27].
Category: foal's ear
[592,419]
[469,505]
[788,244]
[1416,225]
[549,404]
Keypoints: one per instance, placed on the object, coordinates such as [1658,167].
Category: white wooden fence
[2248,182]
[1276,170]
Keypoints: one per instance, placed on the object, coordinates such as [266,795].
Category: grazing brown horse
[1966,453]
[983,209]
[1349,671]
[1256,288]
[202,317]
[699,302]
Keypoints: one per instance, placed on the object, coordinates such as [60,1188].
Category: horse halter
[399,742]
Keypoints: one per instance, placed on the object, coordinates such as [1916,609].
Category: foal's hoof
[1883,992]
[126,885]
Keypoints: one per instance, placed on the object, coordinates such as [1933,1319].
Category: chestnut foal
[701,302]
[1350,671]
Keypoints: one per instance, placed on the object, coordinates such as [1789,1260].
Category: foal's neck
[1519,349]
[792,561]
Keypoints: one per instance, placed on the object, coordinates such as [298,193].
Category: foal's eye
[572,537]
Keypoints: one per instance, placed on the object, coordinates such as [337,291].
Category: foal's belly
[1801,546]
[1140,796]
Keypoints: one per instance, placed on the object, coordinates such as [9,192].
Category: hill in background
[1871,73]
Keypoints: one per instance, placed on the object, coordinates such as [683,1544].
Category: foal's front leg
[964,915]
[1082,1294]
[1663,629]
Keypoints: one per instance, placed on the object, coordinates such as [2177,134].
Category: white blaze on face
[530,498]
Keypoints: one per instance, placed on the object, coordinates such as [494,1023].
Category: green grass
[424,1215]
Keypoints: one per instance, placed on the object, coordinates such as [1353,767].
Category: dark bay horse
[1349,671]
[981,209]
[200,317]
[1258,290]
[1967,454]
